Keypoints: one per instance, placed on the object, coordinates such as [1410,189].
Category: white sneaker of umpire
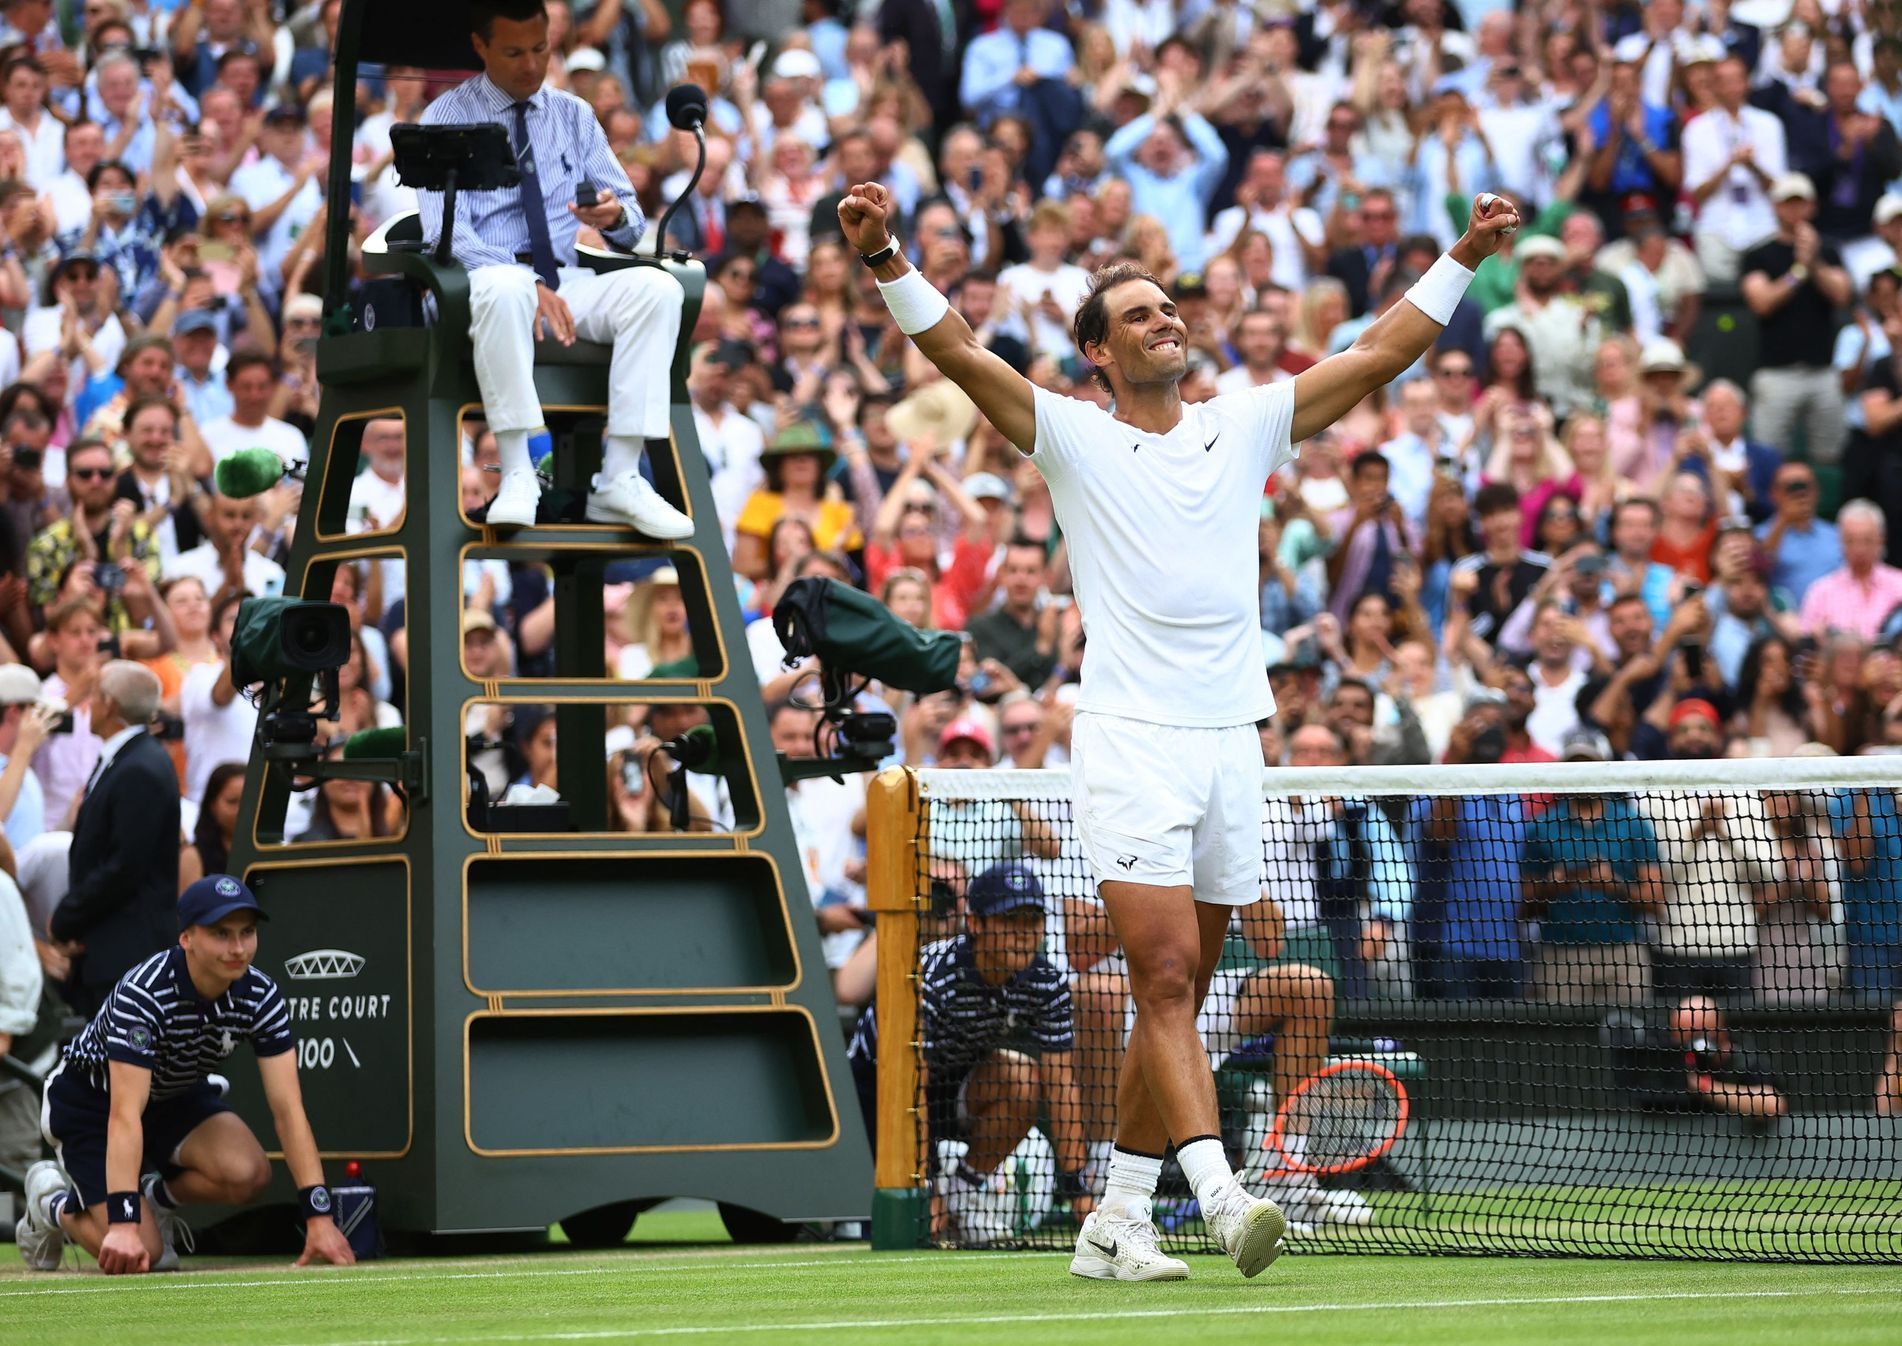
[41,1241]
[629,499]
[980,1216]
[1111,1248]
[514,504]
[1306,1203]
[1248,1228]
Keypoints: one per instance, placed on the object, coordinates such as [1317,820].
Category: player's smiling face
[1148,342]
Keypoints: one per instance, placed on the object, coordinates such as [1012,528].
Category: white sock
[1205,1165]
[1132,1184]
[55,1205]
[512,447]
[621,454]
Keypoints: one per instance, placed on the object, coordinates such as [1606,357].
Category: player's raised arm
[1330,389]
[1001,393]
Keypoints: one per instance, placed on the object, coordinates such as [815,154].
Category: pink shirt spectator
[1841,602]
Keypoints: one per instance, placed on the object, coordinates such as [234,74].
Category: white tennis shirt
[1164,553]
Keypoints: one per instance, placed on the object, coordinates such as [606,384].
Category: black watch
[883,255]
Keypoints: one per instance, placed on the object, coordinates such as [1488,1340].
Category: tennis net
[1629,1009]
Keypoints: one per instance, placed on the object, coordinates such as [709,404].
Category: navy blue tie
[541,250]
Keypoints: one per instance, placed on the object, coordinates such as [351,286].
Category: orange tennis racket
[1338,1120]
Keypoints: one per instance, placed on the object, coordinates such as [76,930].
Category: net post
[894,832]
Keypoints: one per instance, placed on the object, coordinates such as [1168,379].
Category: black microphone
[686,111]
[694,749]
[686,107]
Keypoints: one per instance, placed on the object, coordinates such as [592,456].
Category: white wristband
[1440,290]
[916,303]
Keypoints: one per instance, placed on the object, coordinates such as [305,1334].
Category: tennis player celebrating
[1160,504]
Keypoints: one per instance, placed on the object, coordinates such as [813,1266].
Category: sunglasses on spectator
[303,322]
[1455,371]
[914,531]
[1794,485]
[91,473]
[82,272]
[801,322]
[233,217]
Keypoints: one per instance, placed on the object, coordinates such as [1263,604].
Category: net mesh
[1638,1009]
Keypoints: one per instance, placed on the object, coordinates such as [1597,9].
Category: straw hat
[639,602]
[940,413]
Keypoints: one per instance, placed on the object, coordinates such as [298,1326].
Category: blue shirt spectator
[1173,168]
[1802,548]
[1868,830]
[1573,839]
[995,61]
[1470,846]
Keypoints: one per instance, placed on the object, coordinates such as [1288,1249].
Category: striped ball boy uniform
[155,1019]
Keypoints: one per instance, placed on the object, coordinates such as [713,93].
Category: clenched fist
[863,215]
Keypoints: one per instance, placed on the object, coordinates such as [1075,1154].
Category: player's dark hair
[1090,327]
[484,13]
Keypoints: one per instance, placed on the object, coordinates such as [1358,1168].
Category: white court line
[1113,1315]
[323,1276]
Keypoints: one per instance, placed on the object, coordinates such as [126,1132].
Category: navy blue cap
[213,898]
[195,320]
[1003,888]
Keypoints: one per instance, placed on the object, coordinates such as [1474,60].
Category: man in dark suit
[929,30]
[123,888]
[1366,268]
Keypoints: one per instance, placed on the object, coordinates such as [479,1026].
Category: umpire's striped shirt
[155,1018]
[964,1018]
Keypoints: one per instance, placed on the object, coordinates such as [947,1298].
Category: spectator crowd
[1635,504]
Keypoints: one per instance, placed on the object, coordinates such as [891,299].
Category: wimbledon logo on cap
[226,887]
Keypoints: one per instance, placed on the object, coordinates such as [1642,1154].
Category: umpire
[133,1097]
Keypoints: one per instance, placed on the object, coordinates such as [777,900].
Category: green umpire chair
[508,1027]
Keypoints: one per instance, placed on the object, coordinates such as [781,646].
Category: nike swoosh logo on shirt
[1211,444]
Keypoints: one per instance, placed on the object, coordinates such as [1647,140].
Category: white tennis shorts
[1169,806]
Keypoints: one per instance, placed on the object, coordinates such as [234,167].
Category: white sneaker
[629,499]
[980,1215]
[514,505]
[1112,1248]
[174,1233]
[1248,1228]
[41,1241]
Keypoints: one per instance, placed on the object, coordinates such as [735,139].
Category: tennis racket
[1338,1120]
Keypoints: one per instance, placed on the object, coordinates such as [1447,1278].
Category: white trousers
[635,310]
